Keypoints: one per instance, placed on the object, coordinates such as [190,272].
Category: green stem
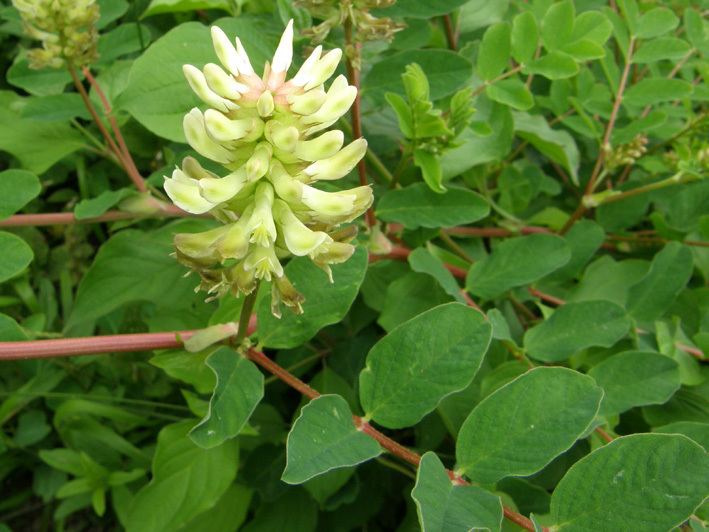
[602,198]
[245,316]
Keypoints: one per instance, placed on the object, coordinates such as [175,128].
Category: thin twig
[66,218]
[451,34]
[130,166]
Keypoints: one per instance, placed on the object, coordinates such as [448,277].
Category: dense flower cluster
[268,133]
[66,29]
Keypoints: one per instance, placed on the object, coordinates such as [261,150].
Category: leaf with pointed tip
[421,361]
[323,438]
[16,255]
[525,424]
[238,390]
[443,506]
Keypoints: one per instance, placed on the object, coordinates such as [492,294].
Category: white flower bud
[234,244]
[199,245]
[225,51]
[300,240]
[222,83]
[340,164]
[308,103]
[265,104]
[329,203]
[198,83]
[244,63]
[261,224]
[223,129]
[339,98]
[323,69]
[192,168]
[202,143]
[284,53]
[281,136]
[304,73]
[184,192]
[258,163]
[264,263]
[221,189]
[324,146]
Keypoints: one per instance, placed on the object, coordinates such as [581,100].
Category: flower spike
[261,130]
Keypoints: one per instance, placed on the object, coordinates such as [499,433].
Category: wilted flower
[66,29]
[268,133]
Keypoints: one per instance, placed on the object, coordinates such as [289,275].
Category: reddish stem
[546,297]
[451,36]
[603,434]
[65,218]
[291,380]
[356,112]
[130,166]
[402,253]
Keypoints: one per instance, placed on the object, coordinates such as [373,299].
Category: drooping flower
[268,132]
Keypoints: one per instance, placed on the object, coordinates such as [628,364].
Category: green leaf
[158,95]
[694,26]
[16,256]
[17,188]
[511,92]
[227,515]
[135,266]
[526,423]
[187,367]
[122,40]
[422,361]
[324,437]
[525,36]
[477,14]
[584,238]
[516,262]
[10,331]
[110,11]
[423,261]
[656,22]
[699,432]
[238,390]
[417,9]
[494,53]
[91,208]
[444,506]
[446,72]
[669,273]
[43,82]
[662,48]
[591,26]
[37,144]
[418,206]
[325,303]
[554,65]
[55,107]
[186,481]
[408,296]
[635,378]
[558,25]
[158,7]
[431,169]
[294,510]
[651,91]
[576,326]
[654,479]
[559,146]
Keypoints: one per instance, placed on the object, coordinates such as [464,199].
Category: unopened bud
[198,83]
[300,240]
[258,163]
[197,137]
[222,83]
[308,103]
[221,189]
[261,223]
[324,68]
[265,104]
[282,137]
[184,192]
[321,147]
[340,164]
[223,129]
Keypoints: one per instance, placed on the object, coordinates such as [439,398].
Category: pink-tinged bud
[340,164]
[222,83]
[199,85]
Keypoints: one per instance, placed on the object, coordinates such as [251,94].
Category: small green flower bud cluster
[66,29]
[366,27]
[626,154]
[268,132]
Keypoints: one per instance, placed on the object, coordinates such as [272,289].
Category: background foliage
[531,312]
